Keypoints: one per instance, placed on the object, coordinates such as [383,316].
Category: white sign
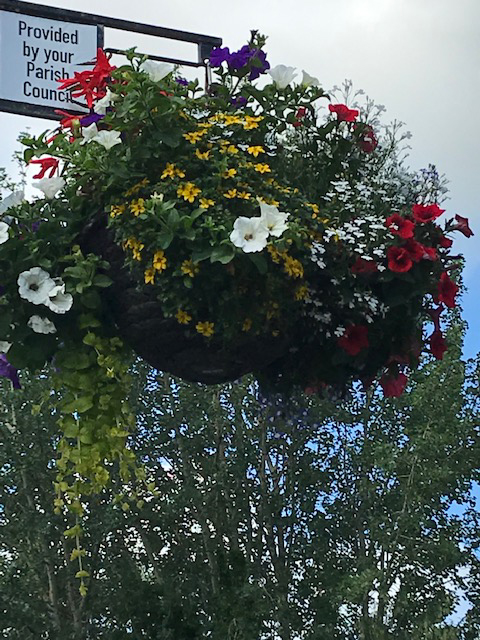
[37,52]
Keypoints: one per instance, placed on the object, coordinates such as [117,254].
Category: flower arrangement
[268,229]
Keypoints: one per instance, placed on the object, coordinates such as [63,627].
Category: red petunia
[462,226]
[354,339]
[447,290]
[445,242]
[399,260]
[299,115]
[49,165]
[344,114]
[393,386]
[426,212]
[438,345]
[364,267]
[400,226]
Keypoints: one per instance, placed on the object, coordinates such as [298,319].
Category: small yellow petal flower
[116,210]
[244,195]
[262,168]
[137,206]
[159,261]
[183,317]
[247,324]
[205,328]
[188,191]
[149,276]
[293,267]
[232,149]
[188,268]
[231,193]
[205,203]
[255,151]
[229,173]
[202,155]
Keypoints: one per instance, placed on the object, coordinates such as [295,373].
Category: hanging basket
[161,341]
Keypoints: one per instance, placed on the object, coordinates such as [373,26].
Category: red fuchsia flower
[367,140]
[49,165]
[462,226]
[447,290]
[426,212]
[90,84]
[393,385]
[344,114]
[445,242]
[364,267]
[399,260]
[354,339]
[438,345]
[400,226]
[69,121]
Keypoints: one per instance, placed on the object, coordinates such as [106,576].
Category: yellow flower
[293,267]
[251,122]
[274,253]
[183,317]
[205,203]
[231,149]
[136,187]
[301,293]
[137,206]
[247,324]
[313,207]
[149,276]
[159,261]
[188,191]
[262,168]
[272,310]
[202,155]
[255,151]
[275,203]
[205,328]
[205,125]
[232,119]
[231,193]
[137,252]
[194,136]
[229,173]
[188,268]
[244,195]
[116,210]
[171,171]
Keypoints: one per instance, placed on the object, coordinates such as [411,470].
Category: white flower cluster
[364,234]
[251,234]
[106,139]
[36,286]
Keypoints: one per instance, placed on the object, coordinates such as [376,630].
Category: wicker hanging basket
[161,341]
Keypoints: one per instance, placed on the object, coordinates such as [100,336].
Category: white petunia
[49,186]
[249,234]
[13,200]
[272,219]
[156,70]
[34,285]
[41,325]
[3,232]
[104,103]
[108,139]
[89,133]
[282,75]
[58,301]
[309,81]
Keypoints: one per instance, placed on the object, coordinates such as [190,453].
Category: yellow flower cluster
[188,191]
[229,173]
[205,203]
[202,155]
[136,246]
[255,151]
[301,293]
[137,187]
[194,136]
[159,261]
[293,267]
[183,317]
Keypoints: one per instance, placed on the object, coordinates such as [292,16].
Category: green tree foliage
[304,519]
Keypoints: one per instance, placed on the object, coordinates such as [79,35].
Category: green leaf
[260,262]
[223,253]
[102,281]
[164,239]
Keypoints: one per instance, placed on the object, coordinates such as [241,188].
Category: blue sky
[419,58]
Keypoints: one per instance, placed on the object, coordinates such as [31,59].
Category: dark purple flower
[182,81]
[240,58]
[36,225]
[260,64]
[219,55]
[90,119]
[239,101]
[7,370]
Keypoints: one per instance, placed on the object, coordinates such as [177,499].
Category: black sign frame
[204,44]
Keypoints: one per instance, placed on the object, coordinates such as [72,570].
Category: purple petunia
[260,57]
[239,101]
[7,370]
[90,118]
[181,81]
[240,58]
[218,56]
